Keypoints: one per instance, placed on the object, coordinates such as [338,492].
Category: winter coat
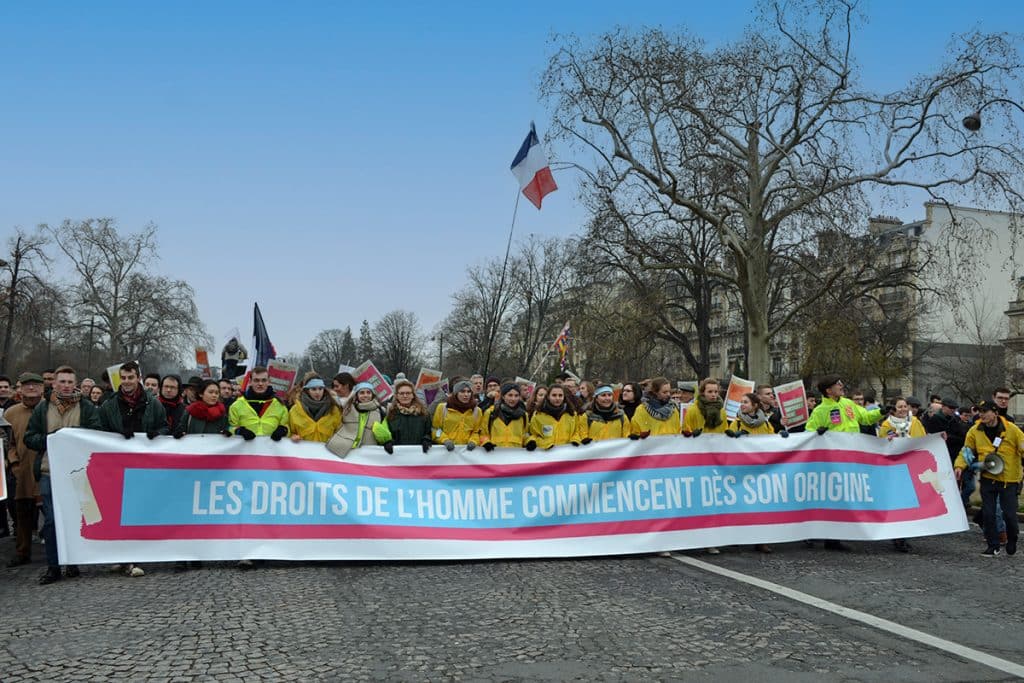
[356,429]
[243,414]
[38,430]
[841,416]
[916,428]
[409,429]
[114,410]
[308,429]
[599,429]
[549,431]
[22,459]
[494,430]
[461,427]
[643,422]
[739,426]
[1009,449]
[694,420]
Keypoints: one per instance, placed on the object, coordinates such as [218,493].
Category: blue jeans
[968,482]
[49,527]
[1002,495]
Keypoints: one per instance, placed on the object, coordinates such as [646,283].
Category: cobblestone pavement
[600,619]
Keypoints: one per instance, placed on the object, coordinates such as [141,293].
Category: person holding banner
[258,412]
[407,419]
[657,414]
[901,423]
[314,416]
[605,419]
[361,421]
[997,445]
[707,414]
[751,418]
[456,422]
[133,409]
[208,415]
[505,424]
[64,408]
[556,423]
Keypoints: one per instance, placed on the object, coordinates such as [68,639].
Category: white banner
[217,498]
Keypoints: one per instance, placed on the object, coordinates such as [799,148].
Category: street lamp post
[972,122]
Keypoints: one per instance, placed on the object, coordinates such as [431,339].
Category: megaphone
[993,464]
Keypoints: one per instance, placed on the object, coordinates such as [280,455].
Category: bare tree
[398,338]
[792,139]
[366,348]
[25,268]
[329,349]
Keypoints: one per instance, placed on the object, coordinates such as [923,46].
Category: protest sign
[527,388]
[203,363]
[210,498]
[368,372]
[346,368]
[737,388]
[282,377]
[114,375]
[431,390]
[792,400]
[427,376]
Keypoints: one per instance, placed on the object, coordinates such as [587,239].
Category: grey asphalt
[632,618]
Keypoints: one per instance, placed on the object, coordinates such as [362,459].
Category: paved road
[601,619]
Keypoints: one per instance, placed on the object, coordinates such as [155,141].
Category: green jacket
[409,430]
[841,416]
[154,419]
[37,431]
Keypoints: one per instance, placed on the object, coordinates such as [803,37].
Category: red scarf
[200,410]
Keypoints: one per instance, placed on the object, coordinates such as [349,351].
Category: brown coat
[21,458]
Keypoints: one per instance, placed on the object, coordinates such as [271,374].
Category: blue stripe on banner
[205,497]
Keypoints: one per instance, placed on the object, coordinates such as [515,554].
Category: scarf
[367,406]
[411,409]
[629,407]
[507,414]
[200,410]
[455,404]
[170,406]
[609,415]
[133,399]
[315,409]
[659,410]
[751,421]
[65,403]
[262,401]
[711,410]
[554,412]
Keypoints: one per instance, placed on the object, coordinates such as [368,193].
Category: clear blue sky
[333,161]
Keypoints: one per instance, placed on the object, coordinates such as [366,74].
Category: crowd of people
[488,413]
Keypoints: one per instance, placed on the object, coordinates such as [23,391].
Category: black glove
[531,445]
[449,445]
[279,433]
[389,447]
[822,430]
[128,434]
[697,432]
[178,435]
[731,434]
[426,446]
[246,434]
[470,446]
[634,437]
[152,434]
[586,441]
[488,446]
[575,443]
[226,432]
[784,434]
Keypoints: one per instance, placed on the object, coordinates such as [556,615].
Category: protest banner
[282,377]
[368,372]
[792,400]
[210,498]
[203,363]
[527,389]
[427,376]
[737,388]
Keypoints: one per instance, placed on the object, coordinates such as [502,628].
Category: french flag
[530,168]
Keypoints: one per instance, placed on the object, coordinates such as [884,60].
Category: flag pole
[501,286]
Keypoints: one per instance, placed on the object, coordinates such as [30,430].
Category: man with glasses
[836,413]
[1001,397]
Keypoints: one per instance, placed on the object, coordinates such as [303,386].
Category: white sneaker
[712,551]
[134,571]
[665,554]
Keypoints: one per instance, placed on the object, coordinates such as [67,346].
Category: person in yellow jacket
[257,412]
[901,423]
[707,414]
[605,419]
[457,421]
[504,425]
[657,414]
[992,435]
[556,423]
[314,416]
[751,418]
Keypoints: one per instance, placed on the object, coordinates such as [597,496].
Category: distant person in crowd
[96,395]
[86,386]
[151,383]
[477,382]
[314,416]
[48,377]
[21,459]
[170,398]
[492,392]
[630,397]
[226,392]
[770,406]
[6,393]
[190,391]
[540,392]
[1001,398]
[456,422]
[232,357]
